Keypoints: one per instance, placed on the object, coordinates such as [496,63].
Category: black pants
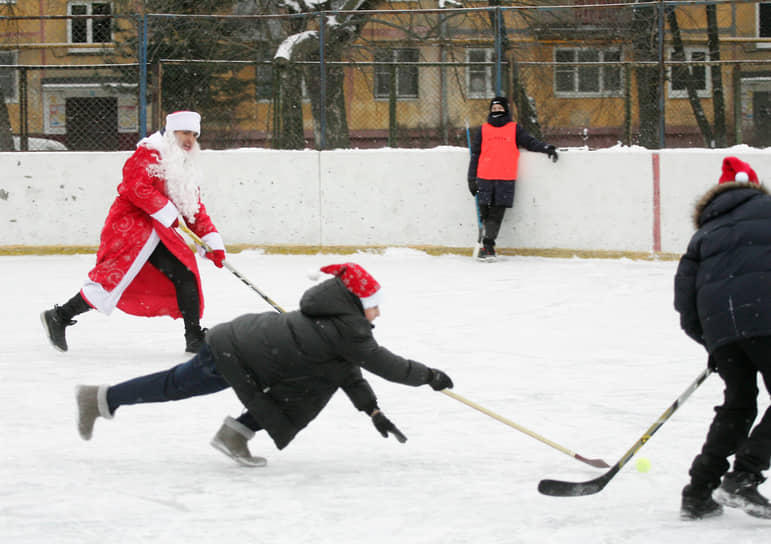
[185,286]
[738,364]
[491,217]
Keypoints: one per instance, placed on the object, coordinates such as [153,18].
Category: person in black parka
[492,170]
[723,295]
[284,367]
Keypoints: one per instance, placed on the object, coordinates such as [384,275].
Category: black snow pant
[493,198]
[198,376]
[738,364]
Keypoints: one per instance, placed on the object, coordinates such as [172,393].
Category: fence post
[627,105]
[662,78]
[143,76]
[323,82]
[392,105]
[498,47]
[23,111]
[736,80]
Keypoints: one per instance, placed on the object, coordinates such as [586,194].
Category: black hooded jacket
[723,281]
[286,366]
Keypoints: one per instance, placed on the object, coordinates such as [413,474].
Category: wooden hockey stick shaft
[593,462]
[230,267]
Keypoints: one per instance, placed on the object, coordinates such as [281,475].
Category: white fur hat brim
[184,120]
[373,300]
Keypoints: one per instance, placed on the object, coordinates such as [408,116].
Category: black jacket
[524,139]
[723,282]
[286,366]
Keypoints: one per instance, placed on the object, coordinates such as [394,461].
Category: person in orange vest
[492,171]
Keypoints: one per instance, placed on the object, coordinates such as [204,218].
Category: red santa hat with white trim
[358,281]
[184,120]
[737,170]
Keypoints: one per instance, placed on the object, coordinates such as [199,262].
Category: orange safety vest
[499,158]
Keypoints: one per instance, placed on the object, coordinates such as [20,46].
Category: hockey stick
[557,488]
[593,462]
[230,267]
[478,246]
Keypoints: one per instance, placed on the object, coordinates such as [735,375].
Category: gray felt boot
[231,440]
[92,403]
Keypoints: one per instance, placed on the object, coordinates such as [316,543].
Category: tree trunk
[716,75]
[645,37]
[6,135]
[289,123]
[690,85]
[336,130]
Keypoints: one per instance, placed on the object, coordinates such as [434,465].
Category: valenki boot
[231,440]
[92,403]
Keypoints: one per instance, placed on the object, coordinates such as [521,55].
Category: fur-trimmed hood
[706,209]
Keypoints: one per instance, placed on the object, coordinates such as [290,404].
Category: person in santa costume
[723,295]
[284,367]
[143,265]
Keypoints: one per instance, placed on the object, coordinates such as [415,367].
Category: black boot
[740,490]
[54,322]
[194,339]
[697,503]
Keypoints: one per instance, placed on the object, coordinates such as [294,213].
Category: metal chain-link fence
[585,73]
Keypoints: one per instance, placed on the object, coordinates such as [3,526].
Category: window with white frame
[678,75]
[764,23]
[603,77]
[9,80]
[405,76]
[96,28]
[479,74]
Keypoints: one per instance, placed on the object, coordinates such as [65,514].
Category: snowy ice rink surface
[587,353]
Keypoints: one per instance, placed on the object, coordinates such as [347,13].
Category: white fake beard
[183,175]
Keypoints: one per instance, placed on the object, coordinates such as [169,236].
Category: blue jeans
[198,376]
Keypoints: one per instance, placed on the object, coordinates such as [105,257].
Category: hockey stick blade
[558,488]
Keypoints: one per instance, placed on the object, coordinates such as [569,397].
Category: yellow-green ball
[643,465]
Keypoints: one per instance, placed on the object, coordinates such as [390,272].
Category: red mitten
[216,256]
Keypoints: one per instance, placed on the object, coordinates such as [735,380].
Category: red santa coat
[138,220]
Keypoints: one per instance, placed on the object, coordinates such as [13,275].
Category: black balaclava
[499,118]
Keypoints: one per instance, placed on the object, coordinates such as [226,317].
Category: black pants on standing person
[731,431]
[494,198]
[185,285]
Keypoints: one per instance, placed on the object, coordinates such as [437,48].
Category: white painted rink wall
[618,199]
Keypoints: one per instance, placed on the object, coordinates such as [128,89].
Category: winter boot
[194,339]
[231,440]
[697,503]
[92,403]
[740,490]
[54,323]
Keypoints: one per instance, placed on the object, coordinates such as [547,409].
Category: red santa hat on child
[737,170]
[358,281]
[184,120]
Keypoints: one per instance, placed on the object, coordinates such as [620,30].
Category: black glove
[472,186]
[551,152]
[438,380]
[384,426]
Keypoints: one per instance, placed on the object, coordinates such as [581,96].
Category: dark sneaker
[486,254]
[698,504]
[740,490]
[54,324]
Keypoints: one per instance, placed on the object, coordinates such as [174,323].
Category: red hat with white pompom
[737,170]
[357,280]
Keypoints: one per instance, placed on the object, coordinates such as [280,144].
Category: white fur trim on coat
[166,215]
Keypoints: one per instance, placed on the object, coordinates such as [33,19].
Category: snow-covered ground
[587,353]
